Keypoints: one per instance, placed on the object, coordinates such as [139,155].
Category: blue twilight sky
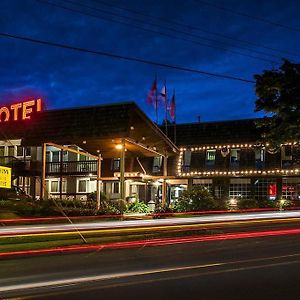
[67,78]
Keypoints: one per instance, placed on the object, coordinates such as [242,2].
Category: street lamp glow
[119,146]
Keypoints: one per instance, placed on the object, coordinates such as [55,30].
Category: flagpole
[175,138]
[166,109]
[156,100]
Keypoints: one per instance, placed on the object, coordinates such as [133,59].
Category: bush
[138,207]
[246,203]
[197,199]
[113,206]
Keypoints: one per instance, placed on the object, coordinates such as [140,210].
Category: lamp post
[121,147]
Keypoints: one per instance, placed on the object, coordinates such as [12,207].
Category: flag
[163,94]
[172,107]
[151,98]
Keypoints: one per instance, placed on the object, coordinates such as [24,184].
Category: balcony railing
[72,167]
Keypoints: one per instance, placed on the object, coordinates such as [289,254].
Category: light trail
[146,223]
[162,214]
[153,242]
[173,228]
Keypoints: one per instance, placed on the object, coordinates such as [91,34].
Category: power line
[122,57]
[175,30]
[157,32]
[247,15]
[167,28]
[191,27]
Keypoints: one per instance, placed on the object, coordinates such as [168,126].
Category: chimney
[199,119]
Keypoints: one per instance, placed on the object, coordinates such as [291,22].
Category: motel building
[117,149]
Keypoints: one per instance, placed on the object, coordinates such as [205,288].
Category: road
[249,268]
[23,229]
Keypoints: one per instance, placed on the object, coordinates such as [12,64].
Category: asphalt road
[250,268]
[23,229]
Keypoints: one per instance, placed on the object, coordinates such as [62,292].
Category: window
[157,161]
[54,186]
[186,163]
[28,151]
[116,187]
[48,157]
[291,188]
[235,157]
[82,186]
[20,151]
[210,157]
[11,150]
[259,159]
[82,157]
[265,189]
[2,151]
[55,156]
[240,188]
[286,156]
[116,164]
[206,183]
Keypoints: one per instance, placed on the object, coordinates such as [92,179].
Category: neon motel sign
[20,111]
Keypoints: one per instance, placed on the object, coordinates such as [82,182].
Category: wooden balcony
[72,167]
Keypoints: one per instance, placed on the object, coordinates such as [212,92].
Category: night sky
[67,78]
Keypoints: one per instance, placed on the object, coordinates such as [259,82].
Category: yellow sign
[5,177]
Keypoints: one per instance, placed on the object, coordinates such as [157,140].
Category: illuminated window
[235,157]
[82,186]
[116,164]
[259,159]
[265,188]
[157,161]
[54,186]
[210,158]
[291,188]
[206,183]
[210,155]
[240,188]
[55,156]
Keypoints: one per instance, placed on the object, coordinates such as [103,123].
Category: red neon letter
[6,111]
[39,105]
[27,110]
[15,108]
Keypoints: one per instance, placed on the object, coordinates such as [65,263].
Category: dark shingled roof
[68,126]
[221,132]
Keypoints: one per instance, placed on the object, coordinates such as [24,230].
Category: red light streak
[152,243]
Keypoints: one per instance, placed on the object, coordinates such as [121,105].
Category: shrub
[113,206]
[138,207]
[246,203]
[197,199]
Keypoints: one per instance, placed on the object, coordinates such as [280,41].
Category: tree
[278,94]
